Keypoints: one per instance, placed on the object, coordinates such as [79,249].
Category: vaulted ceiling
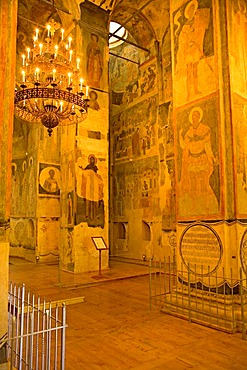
[140,17]
[145,20]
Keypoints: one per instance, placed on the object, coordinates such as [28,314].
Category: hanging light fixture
[51,87]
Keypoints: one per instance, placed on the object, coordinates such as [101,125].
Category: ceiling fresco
[142,18]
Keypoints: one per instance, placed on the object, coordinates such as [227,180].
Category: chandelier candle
[50,87]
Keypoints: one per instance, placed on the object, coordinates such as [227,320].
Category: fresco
[23,187]
[197,160]
[134,131]
[129,82]
[94,61]
[137,24]
[240,147]
[90,193]
[193,50]
[136,186]
[158,16]
[237,46]
[49,179]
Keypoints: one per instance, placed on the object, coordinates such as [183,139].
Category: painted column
[85,190]
[8,26]
[207,112]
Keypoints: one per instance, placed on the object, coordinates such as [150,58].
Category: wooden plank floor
[115,329]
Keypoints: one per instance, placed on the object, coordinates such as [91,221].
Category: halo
[24,166]
[30,161]
[92,92]
[196,109]
[90,156]
[14,165]
[186,10]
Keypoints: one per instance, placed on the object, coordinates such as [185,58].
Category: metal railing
[36,332]
[196,294]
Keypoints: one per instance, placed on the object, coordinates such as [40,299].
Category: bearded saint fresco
[196,196]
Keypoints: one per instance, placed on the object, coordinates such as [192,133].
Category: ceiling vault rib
[128,60]
[128,42]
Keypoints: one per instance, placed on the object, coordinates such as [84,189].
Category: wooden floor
[115,329]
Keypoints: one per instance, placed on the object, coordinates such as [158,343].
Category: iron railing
[196,294]
[36,332]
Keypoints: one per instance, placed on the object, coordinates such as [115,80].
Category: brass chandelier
[51,88]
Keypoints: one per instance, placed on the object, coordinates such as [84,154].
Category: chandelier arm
[50,87]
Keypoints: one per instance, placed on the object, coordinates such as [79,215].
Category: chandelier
[51,89]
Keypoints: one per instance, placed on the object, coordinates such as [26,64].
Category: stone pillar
[85,189]
[209,66]
[8,27]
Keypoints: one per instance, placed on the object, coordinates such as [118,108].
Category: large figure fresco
[193,50]
[90,193]
[94,62]
[240,135]
[238,48]
[198,163]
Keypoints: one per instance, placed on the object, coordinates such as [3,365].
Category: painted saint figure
[50,183]
[94,62]
[240,49]
[197,196]
[191,38]
[90,203]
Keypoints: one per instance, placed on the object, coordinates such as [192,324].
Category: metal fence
[36,332]
[196,294]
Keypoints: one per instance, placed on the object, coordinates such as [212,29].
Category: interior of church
[124,154]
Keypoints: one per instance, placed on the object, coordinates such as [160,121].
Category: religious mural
[134,131]
[94,62]
[198,164]
[90,193]
[23,188]
[193,50]
[237,46]
[131,83]
[136,186]
[49,179]
[136,24]
[240,147]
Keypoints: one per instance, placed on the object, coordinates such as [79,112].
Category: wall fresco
[23,187]
[134,130]
[90,193]
[136,186]
[49,179]
[193,51]
[94,61]
[240,147]
[198,164]
[130,82]
[237,45]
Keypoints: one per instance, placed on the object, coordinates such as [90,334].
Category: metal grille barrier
[36,332]
[196,294]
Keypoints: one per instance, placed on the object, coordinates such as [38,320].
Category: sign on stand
[100,245]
